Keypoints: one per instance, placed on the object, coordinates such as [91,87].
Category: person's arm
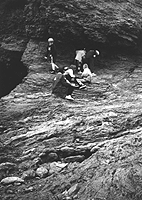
[84,73]
[65,82]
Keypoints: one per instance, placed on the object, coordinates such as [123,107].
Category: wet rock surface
[86,149]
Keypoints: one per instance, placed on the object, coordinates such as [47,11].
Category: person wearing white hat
[51,53]
[50,40]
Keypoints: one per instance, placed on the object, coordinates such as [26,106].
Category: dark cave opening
[11,74]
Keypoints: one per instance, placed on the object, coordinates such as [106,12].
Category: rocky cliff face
[87,149]
[110,26]
[101,23]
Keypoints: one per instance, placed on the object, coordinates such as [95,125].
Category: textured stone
[11,180]
[29,174]
[56,167]
[52,157]
[78,158]
[7,165]
[42,172]
[67,151]
[73,189]
[101,21]
[106,117]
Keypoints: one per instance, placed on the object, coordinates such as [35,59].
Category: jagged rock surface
[111,23]
[99,23]
[89,148]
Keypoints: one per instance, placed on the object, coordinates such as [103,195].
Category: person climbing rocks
[62,87]
[79,59]
[90,58]
[86,75]
[51,54]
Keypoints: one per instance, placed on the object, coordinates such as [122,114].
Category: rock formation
[100,23]
[88,149]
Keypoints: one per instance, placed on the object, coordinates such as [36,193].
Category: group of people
[66,81]
[83,57]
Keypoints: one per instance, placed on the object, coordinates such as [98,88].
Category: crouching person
[69,75]
[86,75]
[62,87]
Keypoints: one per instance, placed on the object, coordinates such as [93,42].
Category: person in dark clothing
[90,58]
[69,75]
[51,53]
[62,87]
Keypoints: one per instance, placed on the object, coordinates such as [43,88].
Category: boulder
[29,174]
[11,180]
[7,165]
[56,167]
[42,172]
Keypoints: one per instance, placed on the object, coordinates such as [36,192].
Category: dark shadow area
[11,74]
[14,4]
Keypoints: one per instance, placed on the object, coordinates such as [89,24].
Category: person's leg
[81,67]
[78,65]
[70,90]
[91,64]
[69,93]
[80,82]
[54,67]
[54,59]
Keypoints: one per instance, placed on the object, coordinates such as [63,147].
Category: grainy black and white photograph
[70,100]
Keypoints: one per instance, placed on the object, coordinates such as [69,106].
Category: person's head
[50,41]
[85,66]
[73,67]
[69,72]
[65,68]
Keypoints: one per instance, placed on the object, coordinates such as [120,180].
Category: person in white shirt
[86,75]
[69,75]
[80,55]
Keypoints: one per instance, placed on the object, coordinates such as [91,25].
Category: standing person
[80,56]
[90,58]
[51,53]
